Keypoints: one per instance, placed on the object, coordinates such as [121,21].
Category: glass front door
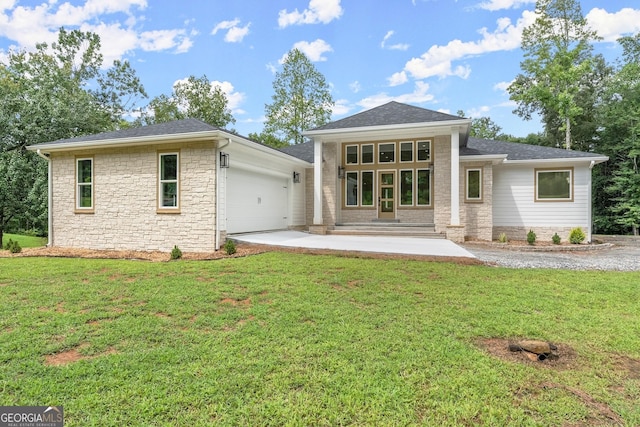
[386,195]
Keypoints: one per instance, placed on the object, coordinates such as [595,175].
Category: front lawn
[24,241]
[294,339]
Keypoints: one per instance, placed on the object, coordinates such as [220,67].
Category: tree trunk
[567,133]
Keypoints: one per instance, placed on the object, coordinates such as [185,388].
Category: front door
[386,195]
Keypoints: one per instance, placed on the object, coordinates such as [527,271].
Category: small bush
[577,236]
[176,253]
[555,239]
[229,247]
[13,246]
[503,238]
[531,237]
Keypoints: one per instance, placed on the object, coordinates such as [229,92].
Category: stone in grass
[535,349]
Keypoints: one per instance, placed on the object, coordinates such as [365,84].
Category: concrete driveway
[386,244]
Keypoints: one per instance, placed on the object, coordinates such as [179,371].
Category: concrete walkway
[388,245]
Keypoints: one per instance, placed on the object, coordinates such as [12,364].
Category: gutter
[49,198]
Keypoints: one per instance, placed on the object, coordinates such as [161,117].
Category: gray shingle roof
[302,151]
[392,113]
[169,128]
[517,151]
[478,147]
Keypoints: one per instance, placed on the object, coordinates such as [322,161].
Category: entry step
[386,229]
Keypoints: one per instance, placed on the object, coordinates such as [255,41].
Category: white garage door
[255,202]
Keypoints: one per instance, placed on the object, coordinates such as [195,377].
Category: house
[189,184]
[401,163]
[182,183]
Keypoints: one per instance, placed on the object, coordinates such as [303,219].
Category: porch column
[455,176]
[317,182]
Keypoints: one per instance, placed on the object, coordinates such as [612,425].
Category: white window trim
[413,153]
[84,184]
[373,154]
[346,156]
[428,141]
[430,187]
[466,185]
[414,186]
[394,153]
[161,207]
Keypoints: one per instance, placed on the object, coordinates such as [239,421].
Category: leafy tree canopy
[196,98]
[301,100]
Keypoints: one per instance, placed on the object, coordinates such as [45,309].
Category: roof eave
[403,126]
[210,135]
[596,160]
[493,158]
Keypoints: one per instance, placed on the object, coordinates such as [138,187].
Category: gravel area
[617,254]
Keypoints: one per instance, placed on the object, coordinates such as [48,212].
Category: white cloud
[234,33]
[26,26]
[319,11]
[475,113]
[502,86]
[398,46]
[419,95]
[438,60]
[398,79]
[341,107]
[355,87]
[612,26]
[494,5]
[313,50]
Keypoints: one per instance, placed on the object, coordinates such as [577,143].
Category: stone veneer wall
[441,189]
[125,199]
[329,183]
[542,233]
[477,217]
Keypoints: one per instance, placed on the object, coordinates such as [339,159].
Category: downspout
[221,144]
[49,198]
[590,198]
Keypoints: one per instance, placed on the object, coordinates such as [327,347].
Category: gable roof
[523,152]
[391,113]
[302,151]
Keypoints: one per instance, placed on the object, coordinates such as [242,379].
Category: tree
[620,140]
[483,127]
[558,62]
[55,92]
[196,98]
[268,139]
[301,100]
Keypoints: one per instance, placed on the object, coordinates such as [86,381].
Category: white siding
[514,204]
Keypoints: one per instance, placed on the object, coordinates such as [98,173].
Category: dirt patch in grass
[236,303]
[499,347]
[73,355]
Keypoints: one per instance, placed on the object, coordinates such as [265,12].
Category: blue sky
[445,55]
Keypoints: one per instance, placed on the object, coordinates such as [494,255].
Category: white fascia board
[126,142]
[596,160]
[268,150]
[389,128]
[494,158]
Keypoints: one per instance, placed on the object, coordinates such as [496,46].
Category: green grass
[25,241]
[287,339]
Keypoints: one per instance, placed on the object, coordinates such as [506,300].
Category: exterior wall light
[224,160]
[296,177]
[340,172]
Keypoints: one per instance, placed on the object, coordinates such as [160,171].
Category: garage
[255,201]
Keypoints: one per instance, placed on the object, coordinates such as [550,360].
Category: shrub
[13,246]
[229,247]
[555,239]
[577,236]
[531,237]
[503,238]
[176,253]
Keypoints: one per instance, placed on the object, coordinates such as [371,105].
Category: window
[424,151]
[367,188]
[84,184]
[474,185]
[351,188]
[367,154]
[424,187]
[168,188]
[406,151]
[352,155]
[554,185]
[387,153]
[406,188]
